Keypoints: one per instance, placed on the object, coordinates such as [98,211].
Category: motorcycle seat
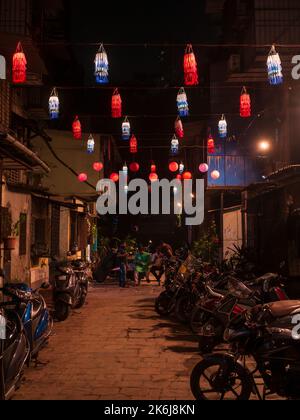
[284,308]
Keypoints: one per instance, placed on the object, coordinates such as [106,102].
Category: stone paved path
[116,348]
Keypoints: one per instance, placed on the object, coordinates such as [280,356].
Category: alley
[116,348]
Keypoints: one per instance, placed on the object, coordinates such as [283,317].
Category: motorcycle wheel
[198,319]
[81,300]
[164,305]
[62,311]
[183,309]
[217,378]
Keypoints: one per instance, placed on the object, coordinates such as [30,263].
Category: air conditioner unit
[234,64]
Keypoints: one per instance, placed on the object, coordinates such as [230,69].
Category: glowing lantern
[174,146]
[133,145]
[274,67]
[19,65]
[82,177]
[203,168]
[98,166]
[190,67]
[211,145]
[54,105]
[187,176]
[245,104]
[90,145]
[77,133]
[179,177]
[114,177]
[116,105]
[153,177]
[101,66]
[153,168]
[179,128]
[223,127]
[125,169]
[134,167]
[126,130]
[181,168]
[173,167]
[182,103]
[215,175]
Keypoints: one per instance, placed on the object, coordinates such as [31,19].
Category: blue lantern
[126,130]
[223,128]
[182,103]
[54,105]
[101,66]
[174,146]
[91,145]
[274,67]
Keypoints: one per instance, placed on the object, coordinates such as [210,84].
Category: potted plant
[10,242]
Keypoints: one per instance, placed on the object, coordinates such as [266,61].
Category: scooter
[14,352]
[84,275]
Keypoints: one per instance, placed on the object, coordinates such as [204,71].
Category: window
[23,234]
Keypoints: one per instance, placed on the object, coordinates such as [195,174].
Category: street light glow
[264,145]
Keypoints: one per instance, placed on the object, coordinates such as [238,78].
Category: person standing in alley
[142,263]
[122,263]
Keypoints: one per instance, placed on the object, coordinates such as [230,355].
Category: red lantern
[245,104]
[116,105]
[179,177]
[211,145]
[133,145]
[82,177]
[98,166]
[19,65]
[179,128]
[77,133]
[173,167]
[187,176]
[153,168]
[134,167]
[153,177]
[190,67]
[114,177]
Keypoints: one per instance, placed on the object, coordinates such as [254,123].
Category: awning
[15,155]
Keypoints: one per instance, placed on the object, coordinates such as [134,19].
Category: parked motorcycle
[266,334]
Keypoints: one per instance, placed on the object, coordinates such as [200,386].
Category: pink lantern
[215,175]
[98,166]
[203,168]
[82,177]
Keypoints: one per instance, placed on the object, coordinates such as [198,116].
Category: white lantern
[54,105]
[215,175]
[90,145]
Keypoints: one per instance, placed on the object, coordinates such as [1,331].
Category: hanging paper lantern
[153,177]
[215,175]
[190,67]
[82,177]
[203,168]
[173,167]
[126,130]
[179,128]
[116,105]
[211,145]
[98,166]
[90,145]
[77,133]
[54,105]
[179,177]
[187,176]
[223,127]
[101,66]
[274,67]
[245,104]
[174,146]
[182,103]
[133,145]
[114,177]
[19,67]
[181,168]
[134,167]
[153,168]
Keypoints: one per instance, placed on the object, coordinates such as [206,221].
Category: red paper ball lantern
[173,167]
[134,167]
[203,168]
[190,67]
[82,177]
[187,176]
[77,132]
[19,66]
[133,145]
[153,177]
[116,105]
[114,177]
[245,104]
[98,166]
